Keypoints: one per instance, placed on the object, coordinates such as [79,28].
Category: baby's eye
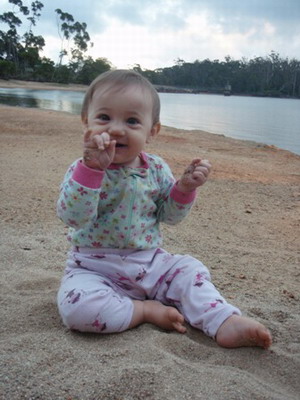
[133,121]
[103,117]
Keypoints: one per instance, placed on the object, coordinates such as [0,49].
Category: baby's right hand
[98,149]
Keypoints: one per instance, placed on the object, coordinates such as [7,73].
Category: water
[264,120]
[59,100]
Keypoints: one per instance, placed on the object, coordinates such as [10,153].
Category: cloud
[274,10]
[154,33]
[126,45]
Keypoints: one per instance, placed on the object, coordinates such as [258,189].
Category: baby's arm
[98,149]
[181,196]
[195,175]
[78,201]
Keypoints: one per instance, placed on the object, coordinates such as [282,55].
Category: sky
[156,33]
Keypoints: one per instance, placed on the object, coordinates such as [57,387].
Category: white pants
[99,285]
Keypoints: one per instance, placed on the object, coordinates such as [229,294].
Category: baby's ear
[84,120]
[154,131]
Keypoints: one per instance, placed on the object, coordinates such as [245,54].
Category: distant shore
[13,83]
[54,86]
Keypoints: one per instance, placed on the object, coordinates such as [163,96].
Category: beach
[244,227]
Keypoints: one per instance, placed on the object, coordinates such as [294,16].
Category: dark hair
[121,78]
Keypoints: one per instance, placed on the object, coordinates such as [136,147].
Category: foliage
[91,69]
[20,54]
[70,29]
[62,74]
[269,76]
[7,69]
[22,51]
[44,70]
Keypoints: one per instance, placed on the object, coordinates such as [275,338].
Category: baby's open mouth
[120,145]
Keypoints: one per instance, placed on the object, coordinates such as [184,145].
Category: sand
[244,227]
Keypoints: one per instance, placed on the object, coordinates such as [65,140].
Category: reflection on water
[265,120]
[13,100]
[58,100]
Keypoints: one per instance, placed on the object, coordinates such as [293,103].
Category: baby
[113,200]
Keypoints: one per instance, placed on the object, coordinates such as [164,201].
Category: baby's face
[126,115]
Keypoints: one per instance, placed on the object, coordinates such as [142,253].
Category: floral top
[121,207]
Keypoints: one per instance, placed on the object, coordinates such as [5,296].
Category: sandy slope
[244,227]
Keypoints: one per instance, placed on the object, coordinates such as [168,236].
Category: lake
[264,120]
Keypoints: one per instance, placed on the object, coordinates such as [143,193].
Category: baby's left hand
[195,175]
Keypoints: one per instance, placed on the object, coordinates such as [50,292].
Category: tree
[261,76]
[7,69]
[23,51]
[44,70]
[72,30]
[91,69]
[10,40]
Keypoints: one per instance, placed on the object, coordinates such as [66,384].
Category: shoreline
[244,226]
[14,83]
[245,141]
[82,88]
[160,88]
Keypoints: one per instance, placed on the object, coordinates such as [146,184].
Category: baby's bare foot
[165,317]
[238,331]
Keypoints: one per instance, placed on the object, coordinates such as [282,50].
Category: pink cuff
[182,197]
[88,177]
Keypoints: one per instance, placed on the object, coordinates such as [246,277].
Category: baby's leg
[90,303]
[189,288]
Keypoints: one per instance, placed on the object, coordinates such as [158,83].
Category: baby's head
[115,80]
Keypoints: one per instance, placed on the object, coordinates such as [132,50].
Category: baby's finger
[195,162]
[101,141]
[90,132]
[106,138]
[199,177]
[86,135]
[111,149]
[191,168]
[205,163]
[202,170]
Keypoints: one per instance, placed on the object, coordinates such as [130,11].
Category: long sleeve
[173,205]
[79,195]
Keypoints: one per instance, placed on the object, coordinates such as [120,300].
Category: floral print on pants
[99,285]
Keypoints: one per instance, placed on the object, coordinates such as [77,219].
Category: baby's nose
[116,129]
